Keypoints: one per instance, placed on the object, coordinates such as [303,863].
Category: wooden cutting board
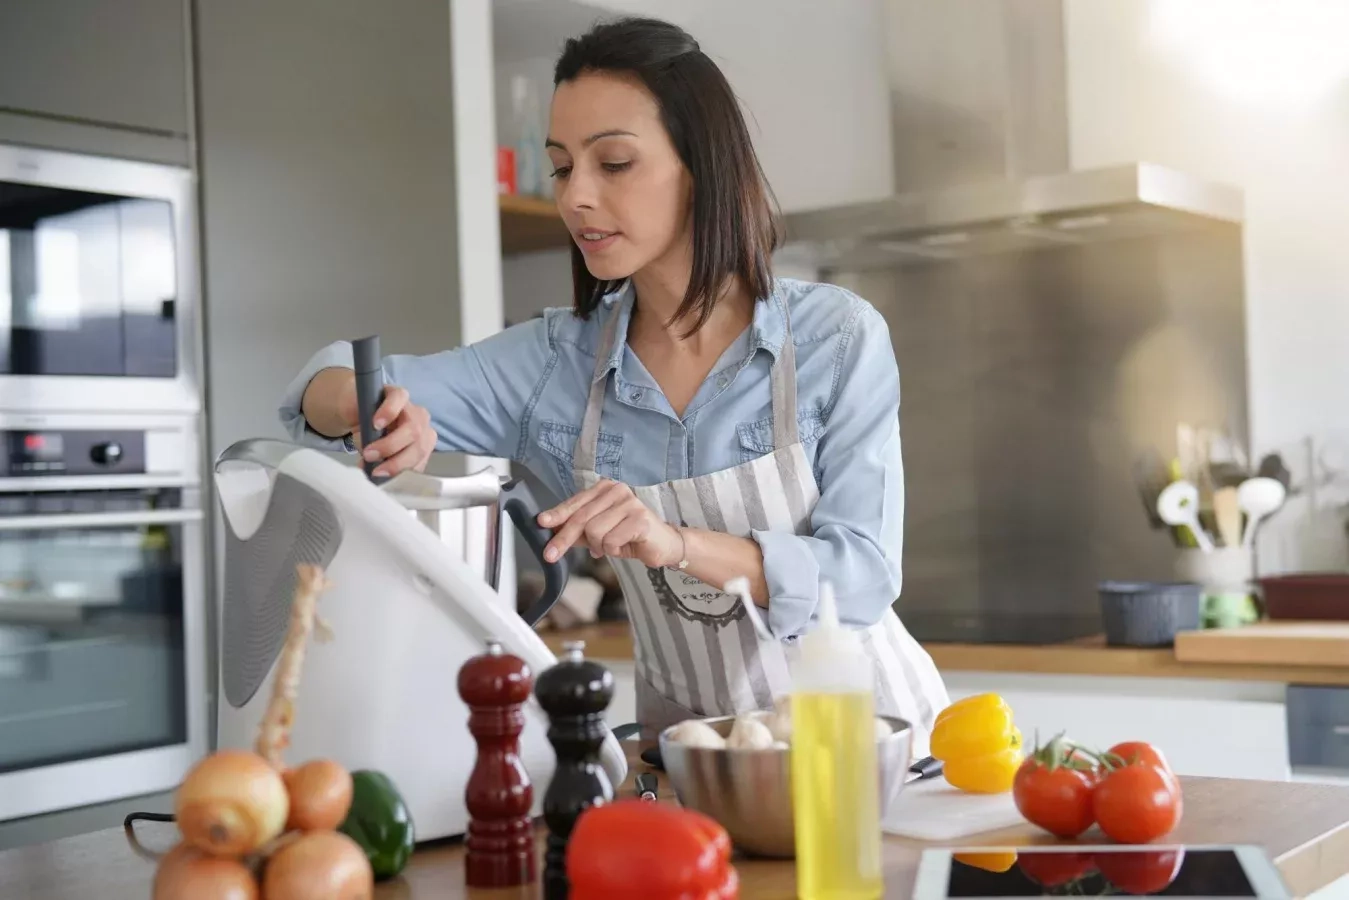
[1269,644]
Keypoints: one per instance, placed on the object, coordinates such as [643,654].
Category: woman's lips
[591,240]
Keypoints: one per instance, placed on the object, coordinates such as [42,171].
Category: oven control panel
[71,452]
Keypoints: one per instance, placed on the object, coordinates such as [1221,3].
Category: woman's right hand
[410,439]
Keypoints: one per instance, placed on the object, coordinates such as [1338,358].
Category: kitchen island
[1303,827]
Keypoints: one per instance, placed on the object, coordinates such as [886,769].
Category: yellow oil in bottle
[835,797]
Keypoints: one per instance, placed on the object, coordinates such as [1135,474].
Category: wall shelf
[529,224]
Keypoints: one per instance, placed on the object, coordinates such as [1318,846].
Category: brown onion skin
[186,873]
[321,865]
[320,795]
[231,803]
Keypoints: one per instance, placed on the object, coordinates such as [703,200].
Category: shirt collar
[767,330]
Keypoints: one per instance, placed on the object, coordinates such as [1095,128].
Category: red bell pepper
[656,851]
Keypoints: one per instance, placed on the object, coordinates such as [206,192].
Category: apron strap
[588,443]
[785,431]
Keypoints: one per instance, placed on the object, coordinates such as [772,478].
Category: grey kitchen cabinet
[118,63]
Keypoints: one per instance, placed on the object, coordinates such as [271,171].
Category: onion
[231,803]
[187,873]
[321,865]
[320,795]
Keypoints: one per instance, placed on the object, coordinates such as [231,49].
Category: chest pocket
[558,440]
[756,438]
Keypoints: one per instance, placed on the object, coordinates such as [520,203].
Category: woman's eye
[561,172]
[616,166]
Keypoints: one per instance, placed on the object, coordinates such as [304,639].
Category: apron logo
[693,599]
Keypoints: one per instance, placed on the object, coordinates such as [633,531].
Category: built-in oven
[102,581]
[98,297]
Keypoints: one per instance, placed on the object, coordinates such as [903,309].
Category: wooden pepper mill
[574,692]
[500,839]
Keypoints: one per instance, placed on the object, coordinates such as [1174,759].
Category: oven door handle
[100,520]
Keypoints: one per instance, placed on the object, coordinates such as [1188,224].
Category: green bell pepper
[380,822]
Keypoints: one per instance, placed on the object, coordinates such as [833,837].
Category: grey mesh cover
[300,526]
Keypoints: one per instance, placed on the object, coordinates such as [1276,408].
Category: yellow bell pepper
[978,744]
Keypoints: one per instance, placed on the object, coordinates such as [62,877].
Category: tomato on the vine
[1053,789]
[1141,871]
[1137,803]
[1130,752]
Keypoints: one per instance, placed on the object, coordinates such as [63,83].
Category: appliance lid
[980,141]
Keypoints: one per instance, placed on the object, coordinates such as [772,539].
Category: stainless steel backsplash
[1029,382]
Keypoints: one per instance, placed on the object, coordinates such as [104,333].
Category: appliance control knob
[106,454]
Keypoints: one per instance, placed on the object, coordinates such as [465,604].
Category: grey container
[1148,614]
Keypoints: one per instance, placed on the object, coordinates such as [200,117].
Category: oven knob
[106,454]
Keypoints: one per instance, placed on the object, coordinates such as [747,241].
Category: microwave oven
[98,284]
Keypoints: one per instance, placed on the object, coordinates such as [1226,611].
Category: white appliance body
[405,616]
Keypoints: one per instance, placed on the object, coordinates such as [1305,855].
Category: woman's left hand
[611,521]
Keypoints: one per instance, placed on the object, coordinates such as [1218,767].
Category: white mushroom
[749,733]
[695,733]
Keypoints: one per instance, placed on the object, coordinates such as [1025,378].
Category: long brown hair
[735,222]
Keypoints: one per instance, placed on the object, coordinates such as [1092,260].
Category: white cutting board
[932,810]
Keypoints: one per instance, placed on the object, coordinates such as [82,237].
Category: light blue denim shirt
[521,395]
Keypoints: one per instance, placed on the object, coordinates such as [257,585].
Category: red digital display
[34,443]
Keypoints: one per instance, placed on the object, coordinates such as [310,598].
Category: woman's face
[620,186]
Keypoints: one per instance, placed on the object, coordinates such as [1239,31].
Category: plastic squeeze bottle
[835,789]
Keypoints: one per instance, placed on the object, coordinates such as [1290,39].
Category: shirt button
[635,395]
[722,381]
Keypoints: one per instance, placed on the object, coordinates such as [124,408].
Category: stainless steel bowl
[750,791]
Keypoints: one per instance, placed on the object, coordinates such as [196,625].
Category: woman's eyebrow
[613,132]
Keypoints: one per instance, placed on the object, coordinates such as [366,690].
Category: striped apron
[697,653]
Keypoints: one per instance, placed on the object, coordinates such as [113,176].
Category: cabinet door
[116,63]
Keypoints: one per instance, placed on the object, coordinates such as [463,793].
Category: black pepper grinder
[574,693]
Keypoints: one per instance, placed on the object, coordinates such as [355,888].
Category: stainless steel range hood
[980,134]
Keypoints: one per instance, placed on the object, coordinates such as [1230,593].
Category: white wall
[1255,94]
[811,76]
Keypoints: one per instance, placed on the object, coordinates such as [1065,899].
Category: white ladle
[1178,504]
[1258,497]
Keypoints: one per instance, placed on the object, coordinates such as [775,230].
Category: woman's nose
[578,191]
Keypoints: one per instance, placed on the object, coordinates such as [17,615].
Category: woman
[704,419]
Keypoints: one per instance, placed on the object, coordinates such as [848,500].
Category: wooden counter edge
[613,641]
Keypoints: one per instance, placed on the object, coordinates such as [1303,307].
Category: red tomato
[1141,872]
[1137,803]
[1058,799]
[1054,868]
[1140,751]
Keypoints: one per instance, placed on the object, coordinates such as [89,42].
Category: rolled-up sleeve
[856,529]
[474,394]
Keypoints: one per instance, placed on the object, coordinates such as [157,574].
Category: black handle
[927,767]
[369,393]
[519,503]
[647,786]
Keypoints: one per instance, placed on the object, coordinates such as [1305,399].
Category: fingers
[550,518]
[407,445]
[588,504]
[600,526]
[414,456]
[633,527]
[395,400]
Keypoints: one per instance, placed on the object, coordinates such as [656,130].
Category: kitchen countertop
[1303,827]
[1087,656]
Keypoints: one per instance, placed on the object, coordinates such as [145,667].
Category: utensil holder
[1148,614]
[1226,576]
